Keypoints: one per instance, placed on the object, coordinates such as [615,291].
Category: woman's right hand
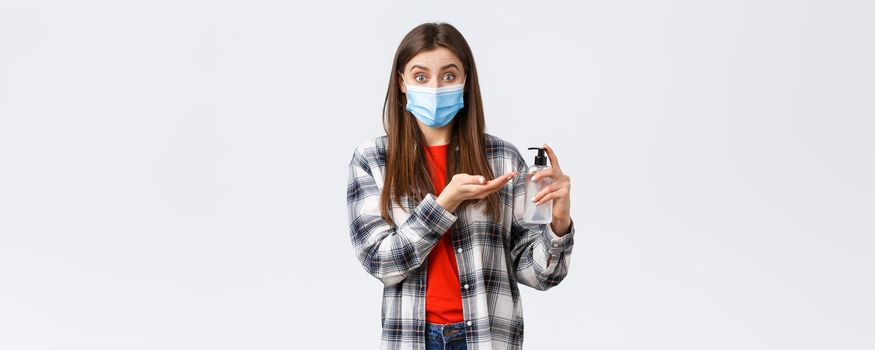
[463,187]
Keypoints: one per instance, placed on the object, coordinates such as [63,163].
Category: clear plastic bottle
[537,214]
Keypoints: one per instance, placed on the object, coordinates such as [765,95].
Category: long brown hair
[406,171]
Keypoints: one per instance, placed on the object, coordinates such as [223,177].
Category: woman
[429,218]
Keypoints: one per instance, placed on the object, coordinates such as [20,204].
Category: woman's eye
[449,76]
[420,77]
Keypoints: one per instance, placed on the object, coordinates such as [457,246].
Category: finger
[504,177]
[500,181]
[492,186]
[544,199]
[509,175]
[539,197]
[552,195]
[549,196]
[547,172]
[554,161]
[474,180]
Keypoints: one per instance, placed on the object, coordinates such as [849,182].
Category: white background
[173,173]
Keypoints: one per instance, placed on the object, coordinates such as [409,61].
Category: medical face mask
[435,107]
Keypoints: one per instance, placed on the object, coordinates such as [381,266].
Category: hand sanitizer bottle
[537,214]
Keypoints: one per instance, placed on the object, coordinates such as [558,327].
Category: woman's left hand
[559,191]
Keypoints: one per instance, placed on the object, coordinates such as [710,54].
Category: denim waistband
[447,332]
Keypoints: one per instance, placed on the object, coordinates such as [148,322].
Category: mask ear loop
[404,80]
[414,141]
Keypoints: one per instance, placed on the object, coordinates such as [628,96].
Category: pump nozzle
[541,158]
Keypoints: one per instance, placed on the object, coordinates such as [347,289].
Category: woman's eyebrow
[442,68]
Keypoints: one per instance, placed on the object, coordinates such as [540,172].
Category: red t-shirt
[443,298]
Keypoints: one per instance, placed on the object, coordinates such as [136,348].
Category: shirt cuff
[556,244]
[436,216]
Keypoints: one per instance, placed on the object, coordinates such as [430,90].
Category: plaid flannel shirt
[491,256]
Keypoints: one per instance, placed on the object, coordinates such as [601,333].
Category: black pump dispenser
[541,158]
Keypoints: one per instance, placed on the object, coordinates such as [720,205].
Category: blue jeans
[445,337]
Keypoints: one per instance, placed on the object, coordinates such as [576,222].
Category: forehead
[434,59]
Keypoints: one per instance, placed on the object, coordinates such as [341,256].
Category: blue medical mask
[435,107]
